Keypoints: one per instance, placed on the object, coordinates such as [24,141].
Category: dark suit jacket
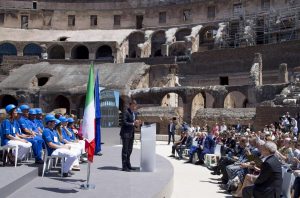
[269,182]
[209,145]
[127,129]
[173,128]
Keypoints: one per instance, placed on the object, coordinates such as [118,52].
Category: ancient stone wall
[177,12]
[267,115]
[229,61]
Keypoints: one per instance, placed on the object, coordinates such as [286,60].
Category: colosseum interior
[215,60]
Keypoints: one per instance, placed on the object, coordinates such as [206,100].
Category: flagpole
[89,186]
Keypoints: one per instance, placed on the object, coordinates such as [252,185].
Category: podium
[148,143]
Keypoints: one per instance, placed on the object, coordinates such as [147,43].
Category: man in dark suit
[127,134]
[207,148]
[269,181]
[171,130]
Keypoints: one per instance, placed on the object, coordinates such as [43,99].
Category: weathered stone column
[283,73]
[256,70]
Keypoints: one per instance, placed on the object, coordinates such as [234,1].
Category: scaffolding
[265,27]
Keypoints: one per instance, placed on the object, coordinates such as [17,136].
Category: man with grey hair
[269,181]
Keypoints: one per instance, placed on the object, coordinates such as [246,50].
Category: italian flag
[88,125]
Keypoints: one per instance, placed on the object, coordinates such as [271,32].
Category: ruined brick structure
[190,59]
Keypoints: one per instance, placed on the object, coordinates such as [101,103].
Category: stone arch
[182,33]
[104,51]
[32,49]
[62,102]
[134,39]
[81,107]
[6,100]
[171,100]
[158,38]
[7,49]
[235,99]
[177,49]
[206,36]
[80,52]
[197,103]
[56,52]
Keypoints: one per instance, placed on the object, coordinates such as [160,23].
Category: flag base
[87,186]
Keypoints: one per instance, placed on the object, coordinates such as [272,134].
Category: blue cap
[19,110]
[70,120]
[49,118]
[9,107]
[32,111]
[39,111]
[63,119]
[24,107]
[57,122]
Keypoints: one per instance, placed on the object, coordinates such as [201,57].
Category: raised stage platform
[106,174]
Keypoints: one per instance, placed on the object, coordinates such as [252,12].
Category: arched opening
[171,100]
[56,52]
[235,99]
[62,102]
[182,33]
[6,100]
[158,38]
[207,37]
[134,39]
[209,100]
[104,52]
[198,103]
[43,78]
[7,49]
[32,49]
[80,52]
[81,107]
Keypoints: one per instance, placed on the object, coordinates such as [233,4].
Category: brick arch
[7,49]
[182,33]
[235,99]
[32,49]
[197,103]
[62,101]
[80,51]
[56,52]
[134,39]
[171,99]
[7,99]
[206,34]
[104,52]
[158,38]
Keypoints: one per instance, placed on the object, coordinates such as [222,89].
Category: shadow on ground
[58,190]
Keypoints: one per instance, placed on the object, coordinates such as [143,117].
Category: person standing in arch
[127,134]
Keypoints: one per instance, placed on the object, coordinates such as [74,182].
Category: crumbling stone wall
[229,116]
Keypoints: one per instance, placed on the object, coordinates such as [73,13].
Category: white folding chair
[48,162]
[287,183]
[212,159]
[8,148]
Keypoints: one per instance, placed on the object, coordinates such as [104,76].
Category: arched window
[32,49]
[56,52]
[158,38]
[7,49]
[80,52]
[104,52]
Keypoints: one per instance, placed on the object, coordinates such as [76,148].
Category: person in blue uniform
[39,119]
[55,147]
[35,139]
[32,125]
[10,135]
